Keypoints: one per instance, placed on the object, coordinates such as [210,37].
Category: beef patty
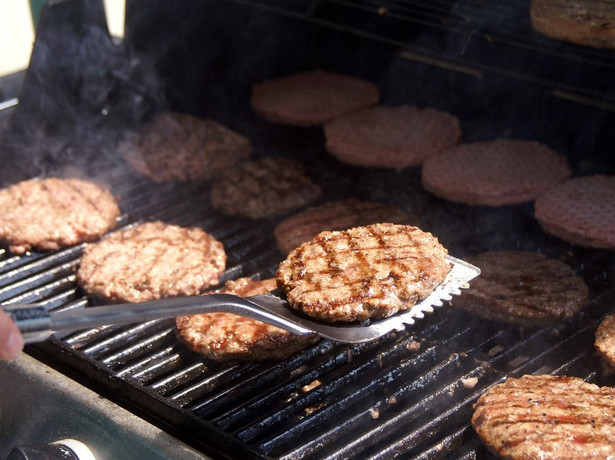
[605,339]
[335,215]
[312,98]
[263,188]
[226,337]
[586,22]
[48,214]
[180,147]
[391,137]
[580,210]
[523,288]
[547,417]
[496,173]
[151,261]
[363,273]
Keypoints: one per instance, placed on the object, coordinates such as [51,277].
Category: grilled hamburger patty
[335,215]
[523,288]
[605,339]
[263,188]
[391,137]
[363,273]
[547,417]
[226,337]
[580,210]
[180,147]
[151,261]
[496,173]
[312,98]
[48,214]
[586,22]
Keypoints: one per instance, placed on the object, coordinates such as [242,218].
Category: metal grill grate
[411,393]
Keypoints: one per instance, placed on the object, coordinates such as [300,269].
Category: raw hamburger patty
[523,288]
[363,273]
[391,137]
[180,147]
[335,215]
[312,98]
[580,211]
[48,214]
[228,337]
[547,417]
[496,173]
[151,261]
[263,188]
[586,22]
[605,339]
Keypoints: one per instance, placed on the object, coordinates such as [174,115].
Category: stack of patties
[225,337]
[180,147]
[49,214]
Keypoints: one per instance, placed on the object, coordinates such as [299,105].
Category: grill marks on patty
[263,188]
[151,261]
[547,417]
[226,337]
[523,288]
[335,215]
[48,214]
[363,273]
[180,147]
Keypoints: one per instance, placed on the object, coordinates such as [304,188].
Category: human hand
[11,340]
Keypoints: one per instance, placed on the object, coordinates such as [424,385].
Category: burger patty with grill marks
[605,339]
[180,147]
[363,273]
[523,288]
[547,417]
[335,215]
[263,188]
[151,261]
[226,337]
[48,214]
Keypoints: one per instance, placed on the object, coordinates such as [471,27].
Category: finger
[11,340]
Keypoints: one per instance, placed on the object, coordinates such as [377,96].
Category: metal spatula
[37,324]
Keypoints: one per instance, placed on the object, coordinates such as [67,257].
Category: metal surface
[42,406]
[407,394]
[37,324]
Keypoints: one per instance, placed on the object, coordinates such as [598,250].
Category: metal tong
[37,324]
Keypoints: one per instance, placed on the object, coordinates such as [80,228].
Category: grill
[409,394]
